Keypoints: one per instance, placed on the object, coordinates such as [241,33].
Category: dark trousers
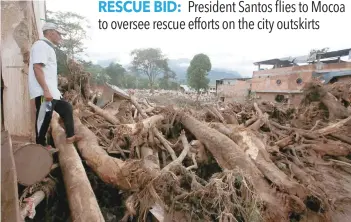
[63,108]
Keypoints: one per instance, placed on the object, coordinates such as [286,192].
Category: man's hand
[47,95]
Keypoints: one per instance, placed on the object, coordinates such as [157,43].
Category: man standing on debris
[43,85]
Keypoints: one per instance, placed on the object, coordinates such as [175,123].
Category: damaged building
[233,89]
[285,80]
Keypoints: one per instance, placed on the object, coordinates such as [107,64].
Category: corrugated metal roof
[327,76]
[239,78]
[304,59]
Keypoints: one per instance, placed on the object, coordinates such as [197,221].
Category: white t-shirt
[41,52]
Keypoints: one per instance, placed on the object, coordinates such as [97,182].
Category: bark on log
[140,127]
[256,150]
[136,104]
[332,128]
[229,156]
[126,175]
[109,117]
[335,108]
[345,139]
[81,197]
[230,118]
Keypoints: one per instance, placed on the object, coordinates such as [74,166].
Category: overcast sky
[229,49]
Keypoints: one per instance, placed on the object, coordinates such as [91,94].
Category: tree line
[149,68]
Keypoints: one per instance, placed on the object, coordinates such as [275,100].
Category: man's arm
[39,75]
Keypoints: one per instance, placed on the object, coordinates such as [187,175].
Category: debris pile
[225,162]
[169,97]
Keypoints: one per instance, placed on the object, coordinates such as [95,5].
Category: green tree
[116,72]
[197,72]
[75,26]
[166,81]
[150,62]
[130,81]
[72,44]
[99,75]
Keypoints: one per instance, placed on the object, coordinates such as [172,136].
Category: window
[280,98]
[299,81]
[279,82]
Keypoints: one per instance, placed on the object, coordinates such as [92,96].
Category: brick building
[233,89]
[284,82]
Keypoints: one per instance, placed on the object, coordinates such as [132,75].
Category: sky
[228,49]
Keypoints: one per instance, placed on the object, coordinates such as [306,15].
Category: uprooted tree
[229,162]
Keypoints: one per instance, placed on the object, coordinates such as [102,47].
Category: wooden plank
[9,189]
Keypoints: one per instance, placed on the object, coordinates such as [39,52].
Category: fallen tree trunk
[81,197]
[335,108]
[256,150]
[108,116]
[126,175]
[230,156]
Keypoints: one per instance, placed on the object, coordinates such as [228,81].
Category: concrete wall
[292,99]
[265,84]
[18,32]
[237,90]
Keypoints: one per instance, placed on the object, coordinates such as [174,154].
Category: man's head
[53,33]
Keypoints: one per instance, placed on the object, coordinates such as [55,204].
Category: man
[43,84]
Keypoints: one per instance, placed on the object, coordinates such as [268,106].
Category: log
[126,175]
[335,108]
[140,127]
[345,139]
[138,107]
[256,150]
[230,156]
[333,128]
[109,117]
[82,201]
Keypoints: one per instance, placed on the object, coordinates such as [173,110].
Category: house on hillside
[285,80]
[233,89]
